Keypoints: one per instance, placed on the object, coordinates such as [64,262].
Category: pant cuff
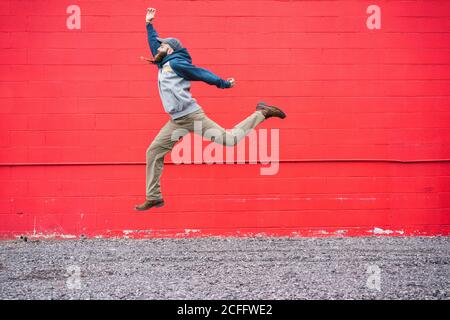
[153,198]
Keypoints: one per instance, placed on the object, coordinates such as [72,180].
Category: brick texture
[351,94]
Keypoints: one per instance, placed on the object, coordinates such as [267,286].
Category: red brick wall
[79,109]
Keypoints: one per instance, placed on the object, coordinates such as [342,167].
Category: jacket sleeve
[152,42]
[188,71]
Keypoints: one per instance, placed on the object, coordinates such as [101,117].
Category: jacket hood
[178,54]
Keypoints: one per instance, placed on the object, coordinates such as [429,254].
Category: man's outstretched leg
[161,145]
[238,132]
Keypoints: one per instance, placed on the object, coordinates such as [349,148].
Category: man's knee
[154,149]
[230,140]
[226,140]
[234,136]
[219,136]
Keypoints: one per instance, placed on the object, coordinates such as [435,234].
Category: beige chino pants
[163,142]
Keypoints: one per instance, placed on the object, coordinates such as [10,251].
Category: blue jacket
[182,64]
[175,73]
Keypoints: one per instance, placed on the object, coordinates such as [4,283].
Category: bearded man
[175,73]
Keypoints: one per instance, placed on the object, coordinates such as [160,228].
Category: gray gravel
[227,268]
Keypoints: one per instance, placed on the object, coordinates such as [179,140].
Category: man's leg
[159,147]
[226,137]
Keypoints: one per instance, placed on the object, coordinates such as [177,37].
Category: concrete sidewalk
[227,268]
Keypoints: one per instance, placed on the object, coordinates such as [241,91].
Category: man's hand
[231,80]
[150,15]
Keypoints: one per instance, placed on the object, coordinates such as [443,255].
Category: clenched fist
[231,80]
[150,15]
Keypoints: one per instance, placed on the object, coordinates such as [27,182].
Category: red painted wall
[364,149]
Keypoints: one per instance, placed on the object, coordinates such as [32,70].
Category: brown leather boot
[149,204]
[270,111]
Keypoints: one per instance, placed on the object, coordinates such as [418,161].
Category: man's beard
[160,56]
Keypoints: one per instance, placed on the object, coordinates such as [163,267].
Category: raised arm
[151,32]
[188,71]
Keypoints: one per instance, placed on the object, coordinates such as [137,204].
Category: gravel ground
[227,268]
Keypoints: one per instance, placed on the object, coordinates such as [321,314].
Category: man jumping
[175,73]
